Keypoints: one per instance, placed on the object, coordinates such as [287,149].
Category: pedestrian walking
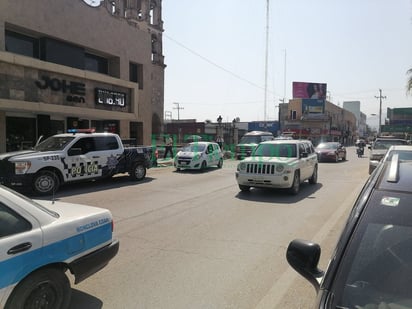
[220,141]
[169,147]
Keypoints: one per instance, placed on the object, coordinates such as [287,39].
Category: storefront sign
[110,97]
[75,90]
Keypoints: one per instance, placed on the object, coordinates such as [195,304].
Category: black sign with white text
[110,97]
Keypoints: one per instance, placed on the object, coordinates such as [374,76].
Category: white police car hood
[27,155]
[75,220]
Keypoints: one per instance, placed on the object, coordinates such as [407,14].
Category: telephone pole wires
[380,97]
[178,109]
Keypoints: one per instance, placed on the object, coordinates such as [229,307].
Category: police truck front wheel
[45,288]
[138,171]
[45,183]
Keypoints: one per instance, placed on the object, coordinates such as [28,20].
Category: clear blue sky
[215,54]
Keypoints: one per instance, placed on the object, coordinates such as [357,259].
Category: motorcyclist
[361,146]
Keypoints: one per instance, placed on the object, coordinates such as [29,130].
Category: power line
[215,64]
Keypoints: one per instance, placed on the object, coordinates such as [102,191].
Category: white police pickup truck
[40,241]
[71,157]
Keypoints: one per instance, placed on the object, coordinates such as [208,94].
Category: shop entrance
[20,133]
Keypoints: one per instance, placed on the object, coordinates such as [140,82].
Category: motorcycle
[360,151]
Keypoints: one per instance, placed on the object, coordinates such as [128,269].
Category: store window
[59,52]
[20,133]
[136,73]
[95,63]
[21,44]
[111,126]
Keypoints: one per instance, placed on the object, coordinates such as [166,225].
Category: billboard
[303,90]
[313,106]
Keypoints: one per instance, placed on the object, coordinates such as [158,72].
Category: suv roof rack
[393,175]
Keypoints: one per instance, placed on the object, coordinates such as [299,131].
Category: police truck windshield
[54,143]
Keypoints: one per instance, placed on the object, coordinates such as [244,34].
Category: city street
[193,240]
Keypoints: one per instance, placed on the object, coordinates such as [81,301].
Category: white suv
[279,164]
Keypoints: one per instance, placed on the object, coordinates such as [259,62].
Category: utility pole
[178,109]
[266,63]
[380,97]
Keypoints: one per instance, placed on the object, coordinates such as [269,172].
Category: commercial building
[80,64]
[319,120]
[398,122]
[354,107]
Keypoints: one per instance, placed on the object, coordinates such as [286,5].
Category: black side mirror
[304,256]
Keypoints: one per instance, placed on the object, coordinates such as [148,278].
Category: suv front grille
[260,168]
[6,169]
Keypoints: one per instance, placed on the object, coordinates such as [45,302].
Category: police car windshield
[54,143]
[276,150]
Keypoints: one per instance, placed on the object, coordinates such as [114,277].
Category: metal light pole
[380,97]
[266,62]
[178,109]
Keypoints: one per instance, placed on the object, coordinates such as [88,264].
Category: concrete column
[157,14]
[2,37]
[2,132]
[145,6]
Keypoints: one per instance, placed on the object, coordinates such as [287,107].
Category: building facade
[398,123]
[80,64]
[318,120]
[354,107]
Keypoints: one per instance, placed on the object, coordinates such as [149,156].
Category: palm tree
[409,83]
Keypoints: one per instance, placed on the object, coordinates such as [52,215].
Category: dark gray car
[371,266]
[379,148]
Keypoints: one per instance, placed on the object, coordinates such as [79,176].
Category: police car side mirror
[304,256]
[74,151]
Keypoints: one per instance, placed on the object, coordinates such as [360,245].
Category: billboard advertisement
[312,106]
[303,90]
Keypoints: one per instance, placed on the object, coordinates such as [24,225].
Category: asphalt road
[193,240]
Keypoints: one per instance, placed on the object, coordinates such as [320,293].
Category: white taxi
[41,240]
[199,155]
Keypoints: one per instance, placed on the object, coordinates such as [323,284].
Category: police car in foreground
[40,241]
[372,264]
